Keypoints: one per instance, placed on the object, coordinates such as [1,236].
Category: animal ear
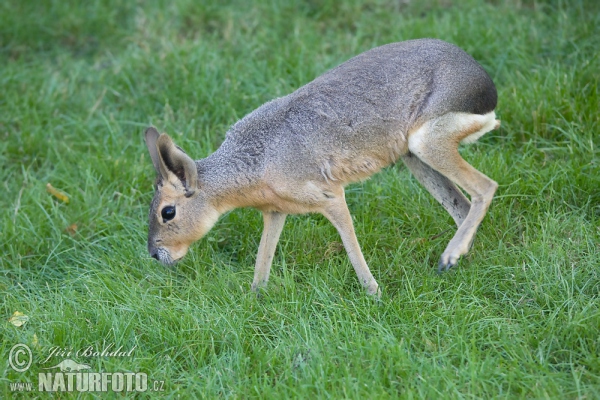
[175,164]
[151,135]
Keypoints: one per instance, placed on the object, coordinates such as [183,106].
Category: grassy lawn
[518,318]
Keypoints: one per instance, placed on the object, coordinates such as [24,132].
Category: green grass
[519,317]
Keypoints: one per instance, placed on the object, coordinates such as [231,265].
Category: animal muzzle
[161,254]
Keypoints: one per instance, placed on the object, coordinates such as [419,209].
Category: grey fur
[296,153]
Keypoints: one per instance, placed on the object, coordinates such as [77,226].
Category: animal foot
[373,290]
[258,284]
[447,262]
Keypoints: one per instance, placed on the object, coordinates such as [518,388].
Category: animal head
[181,211]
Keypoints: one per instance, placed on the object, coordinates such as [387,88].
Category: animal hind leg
[440,187]
[436,144]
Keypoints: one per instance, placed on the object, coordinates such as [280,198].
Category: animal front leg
[339,215]
[273,225]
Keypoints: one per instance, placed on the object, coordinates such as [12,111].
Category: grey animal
[414,100]
[68,365]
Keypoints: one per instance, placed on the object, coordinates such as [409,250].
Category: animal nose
[153,250]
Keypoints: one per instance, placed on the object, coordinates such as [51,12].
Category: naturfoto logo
[92,381]
[76,376]
[68,365]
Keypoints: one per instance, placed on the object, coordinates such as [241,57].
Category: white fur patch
[488,121]
[450,123]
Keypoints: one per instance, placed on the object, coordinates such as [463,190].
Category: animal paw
[447,262]
[373,290]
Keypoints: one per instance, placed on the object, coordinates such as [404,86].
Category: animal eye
[168,213]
